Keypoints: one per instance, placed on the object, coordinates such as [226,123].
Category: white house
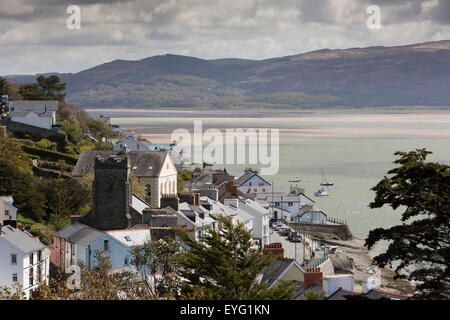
[315,217]
[38,113]
[23,260]
[242,214]
[260,219]
[291,204]
[333,283]
[251,178]
[8,213]
[131,143]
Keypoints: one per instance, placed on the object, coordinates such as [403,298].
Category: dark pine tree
[422,242]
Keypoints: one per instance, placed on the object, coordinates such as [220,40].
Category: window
[277,204]
[39,255]
[14,277]
[6,212]
[31,276]
[13,258]
[290,204]
[126,260]
[31,258]
[148,190]
[106,245]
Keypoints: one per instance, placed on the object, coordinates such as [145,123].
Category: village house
[131,142]
[314,217]
[288,205]
[243,216]
[37,113]
[8,213]
[251,178]
[24,260]
[260,220]
[153,169]
[80,243]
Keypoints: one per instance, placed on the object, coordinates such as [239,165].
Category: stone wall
[341,231]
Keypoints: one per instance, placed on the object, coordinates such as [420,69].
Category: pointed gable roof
[142,163]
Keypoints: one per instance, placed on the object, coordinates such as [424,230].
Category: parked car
[272,221]
[285,231]
[291,235]
[297,238]
[278,227]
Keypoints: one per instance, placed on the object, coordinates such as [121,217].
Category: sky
[35,38]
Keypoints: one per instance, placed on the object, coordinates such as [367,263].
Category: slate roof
[261,190]
[312,211]
[254,206]
[22,240]
[217,208]
[43,108]
[138,204]
[247,176]
[86,236]
[70,230]
[341,293]
[140,161]
[130,237]
[244,214]
[275,269]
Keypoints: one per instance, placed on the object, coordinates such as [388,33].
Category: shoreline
[353,257]
[332,110]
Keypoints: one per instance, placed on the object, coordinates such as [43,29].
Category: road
[289,247]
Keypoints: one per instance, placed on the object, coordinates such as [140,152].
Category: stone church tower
[111,195]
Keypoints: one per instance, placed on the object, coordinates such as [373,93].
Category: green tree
[422,242]
[46,144]
[100,284]
[159,259]
[16,178]
[64,197]
[3,86]
[51,87]
[223,264]
[73,132]
[31,91]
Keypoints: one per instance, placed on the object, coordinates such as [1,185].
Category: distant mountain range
[411,75]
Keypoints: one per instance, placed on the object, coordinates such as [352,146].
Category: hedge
[50,154]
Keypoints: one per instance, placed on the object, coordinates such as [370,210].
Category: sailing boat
[321,193]
[295,180]
[325,182]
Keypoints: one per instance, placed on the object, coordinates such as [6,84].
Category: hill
[375,76]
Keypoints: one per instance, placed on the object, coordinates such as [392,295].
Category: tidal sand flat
[354,149]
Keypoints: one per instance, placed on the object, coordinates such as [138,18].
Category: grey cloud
[34,35]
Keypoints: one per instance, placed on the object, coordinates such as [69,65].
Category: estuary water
[354,149]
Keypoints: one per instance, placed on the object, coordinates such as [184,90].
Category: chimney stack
[313,276]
